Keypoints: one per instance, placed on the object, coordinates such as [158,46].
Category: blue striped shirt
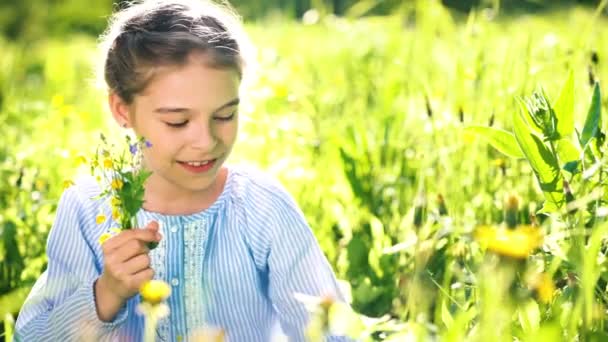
[235,266]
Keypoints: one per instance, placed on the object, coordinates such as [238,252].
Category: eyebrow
[167,110]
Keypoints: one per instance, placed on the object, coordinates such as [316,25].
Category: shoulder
[81,199]
[255,187]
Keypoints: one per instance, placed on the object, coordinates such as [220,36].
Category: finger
[146,235]
[139,278]
[137,263]
[129,250]
[152,225]
[117,240]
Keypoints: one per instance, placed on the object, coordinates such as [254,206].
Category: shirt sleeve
[61,305]
[296,264]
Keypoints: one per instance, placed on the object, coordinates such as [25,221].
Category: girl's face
[189,115]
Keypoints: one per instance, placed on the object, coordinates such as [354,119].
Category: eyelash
[182,124]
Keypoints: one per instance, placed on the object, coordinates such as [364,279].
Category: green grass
[364,122]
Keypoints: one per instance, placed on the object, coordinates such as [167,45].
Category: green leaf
[500,139]
[543,162]
[446,316]
[12,301]
[9,324]
[546,332]
[567,151]
[592,122]
[529,317]
[564,108]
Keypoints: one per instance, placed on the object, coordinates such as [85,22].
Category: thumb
[152,225]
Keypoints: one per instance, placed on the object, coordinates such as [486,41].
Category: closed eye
[225,118]
[177,124]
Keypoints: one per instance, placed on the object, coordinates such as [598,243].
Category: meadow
[452,166]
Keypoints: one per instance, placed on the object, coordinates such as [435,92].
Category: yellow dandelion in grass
[516,243]
[117,184]
[545,288]
[104,237]
[155,291]
[107,163]
[67,183]
[101,218]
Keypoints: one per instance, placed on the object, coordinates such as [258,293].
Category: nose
[202,137]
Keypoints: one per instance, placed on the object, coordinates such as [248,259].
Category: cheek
[229,132]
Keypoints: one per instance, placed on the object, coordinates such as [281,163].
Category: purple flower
[148,144]
[133,149]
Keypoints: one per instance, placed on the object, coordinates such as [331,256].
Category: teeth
[198,163]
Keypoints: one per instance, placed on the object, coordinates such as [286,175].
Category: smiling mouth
[198,163]
[199,166]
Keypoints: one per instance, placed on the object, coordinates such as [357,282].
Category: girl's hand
[126,269]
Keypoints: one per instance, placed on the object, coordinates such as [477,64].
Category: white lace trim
[195,234]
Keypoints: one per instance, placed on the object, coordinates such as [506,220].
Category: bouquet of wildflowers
[122,177]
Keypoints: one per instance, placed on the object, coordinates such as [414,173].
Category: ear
[119,109]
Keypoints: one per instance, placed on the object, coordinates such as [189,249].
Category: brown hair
[156,33]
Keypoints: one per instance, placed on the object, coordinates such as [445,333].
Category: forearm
[73,319]
[106,303]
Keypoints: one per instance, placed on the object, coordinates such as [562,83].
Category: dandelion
[155,291]
[516,243]
[101,218]
[544,288]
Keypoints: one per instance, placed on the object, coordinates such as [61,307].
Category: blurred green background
[364,122]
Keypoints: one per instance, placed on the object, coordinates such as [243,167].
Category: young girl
[232,243]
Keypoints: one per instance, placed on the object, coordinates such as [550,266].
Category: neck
[162,197]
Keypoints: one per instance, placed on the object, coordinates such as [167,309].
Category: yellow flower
[516,243]
[67,183]
[101,218]
[107,163]
[155,291]
[116,214]
[545,288]
[98,178]
[115,202]
[116,183]
[104,237]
